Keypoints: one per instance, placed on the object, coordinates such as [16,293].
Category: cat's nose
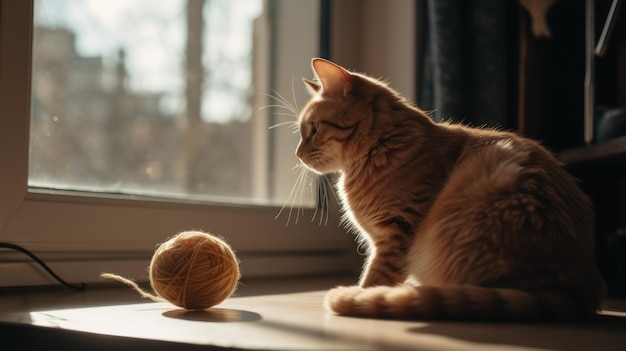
[299,151]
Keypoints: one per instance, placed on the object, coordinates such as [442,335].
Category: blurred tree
[192,124]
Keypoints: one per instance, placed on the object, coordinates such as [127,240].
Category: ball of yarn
[194,270]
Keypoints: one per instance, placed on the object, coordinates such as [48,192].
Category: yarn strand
[133,285]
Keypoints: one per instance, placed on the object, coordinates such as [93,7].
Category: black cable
[43,265]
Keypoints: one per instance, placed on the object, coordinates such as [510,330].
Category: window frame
[82,234]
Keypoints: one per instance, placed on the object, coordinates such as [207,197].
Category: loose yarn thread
[193,270]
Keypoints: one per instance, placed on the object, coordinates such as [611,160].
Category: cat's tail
[463,302]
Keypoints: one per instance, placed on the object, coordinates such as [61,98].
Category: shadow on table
[604,332]
[214,315]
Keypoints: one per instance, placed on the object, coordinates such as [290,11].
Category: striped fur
[461,223]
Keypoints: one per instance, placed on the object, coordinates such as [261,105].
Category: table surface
[273,315]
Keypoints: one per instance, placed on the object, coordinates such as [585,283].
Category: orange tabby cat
[461,223]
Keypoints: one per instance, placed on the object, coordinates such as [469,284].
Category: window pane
[154,98]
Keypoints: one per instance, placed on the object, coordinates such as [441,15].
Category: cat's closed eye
[314,127]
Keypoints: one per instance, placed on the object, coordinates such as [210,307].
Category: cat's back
[492,159]
[503,165]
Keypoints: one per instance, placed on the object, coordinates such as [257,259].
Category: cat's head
[338,124]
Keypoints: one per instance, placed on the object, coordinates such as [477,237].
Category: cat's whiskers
[296,196]
[292,124]
[321,199]
[317,185]
[307,182]
[283,103]
[291,113]
[285,108]
[323,204]
[293,96]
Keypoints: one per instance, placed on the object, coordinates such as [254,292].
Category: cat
[461,223]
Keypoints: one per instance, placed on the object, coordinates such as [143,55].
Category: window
[87,207]
[152,98]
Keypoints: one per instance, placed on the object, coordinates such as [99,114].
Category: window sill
[267,314]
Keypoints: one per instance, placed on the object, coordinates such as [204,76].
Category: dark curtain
[466,73]
[552,83]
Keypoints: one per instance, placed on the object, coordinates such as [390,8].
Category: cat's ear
[311,86]
[333,78]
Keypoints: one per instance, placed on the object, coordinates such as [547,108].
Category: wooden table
[261,319]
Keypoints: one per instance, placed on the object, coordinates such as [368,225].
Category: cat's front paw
[378,301]
[358,301]
[341,299]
